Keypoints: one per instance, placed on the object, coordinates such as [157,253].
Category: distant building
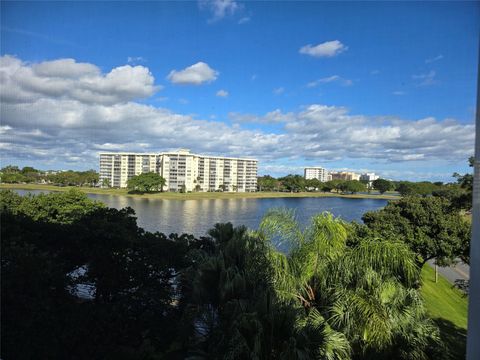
[344,175]
[316,173]
[182,170]
[370,177]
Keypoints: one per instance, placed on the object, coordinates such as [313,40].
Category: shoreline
[196,195]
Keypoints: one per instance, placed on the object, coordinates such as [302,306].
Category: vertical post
[473,333]
[436,272]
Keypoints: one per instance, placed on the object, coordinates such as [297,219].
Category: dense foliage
[430,226]
[382,185]
[14,175]
[83,281]
[146,182]
[297,183]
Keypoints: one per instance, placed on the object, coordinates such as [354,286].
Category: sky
[384,87]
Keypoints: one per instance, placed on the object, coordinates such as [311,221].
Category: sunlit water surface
[197,216]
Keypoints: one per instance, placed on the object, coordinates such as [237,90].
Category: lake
[197,216]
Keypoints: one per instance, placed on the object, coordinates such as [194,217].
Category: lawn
[196,195]
[448,307]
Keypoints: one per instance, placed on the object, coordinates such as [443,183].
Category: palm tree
[161,183]
[235,314]
[367,292]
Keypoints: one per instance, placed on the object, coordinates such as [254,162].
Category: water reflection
[197,216]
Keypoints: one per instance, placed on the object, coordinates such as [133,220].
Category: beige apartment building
[182,170]
[344,175]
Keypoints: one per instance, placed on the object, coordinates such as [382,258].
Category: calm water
[197,216]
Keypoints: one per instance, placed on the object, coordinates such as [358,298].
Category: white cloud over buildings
[62,110]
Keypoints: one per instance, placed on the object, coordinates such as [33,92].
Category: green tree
[106,183]
[335,184]
[90,178]
[365,292]
[10,169]
[332,185]
[266,183]
[50,264]
[424,188]
[146,182]
[352,186]
[382,185]
[233,311]
[12,178]
[429,226]
[464,200]
[293,183]
[313,184]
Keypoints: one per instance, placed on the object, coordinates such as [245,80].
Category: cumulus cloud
[326,49]
[330,79]
[222,93]
[195,74]
[67,79]
[220,8]
[273,117]
[66,130]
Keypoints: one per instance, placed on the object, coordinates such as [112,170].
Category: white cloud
[326,49]
[330,79]
[426,79]
[67,79]
[220,8]
[436,58]
[222,93]
[374,72]
[48,129]
[399,93]
[195,74]
[279,90]
[273,117]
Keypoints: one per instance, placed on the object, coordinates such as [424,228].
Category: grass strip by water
[447,306]
[198,195]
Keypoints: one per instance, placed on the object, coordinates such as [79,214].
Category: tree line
[80,280]
[458,192]
[297,183]
[14,175]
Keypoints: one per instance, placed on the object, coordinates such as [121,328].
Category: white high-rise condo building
[370,177]
[182,170]
[316,173]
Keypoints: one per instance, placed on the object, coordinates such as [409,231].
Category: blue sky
[386,87]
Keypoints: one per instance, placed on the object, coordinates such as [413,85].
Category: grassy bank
[196,195]
[448,307]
